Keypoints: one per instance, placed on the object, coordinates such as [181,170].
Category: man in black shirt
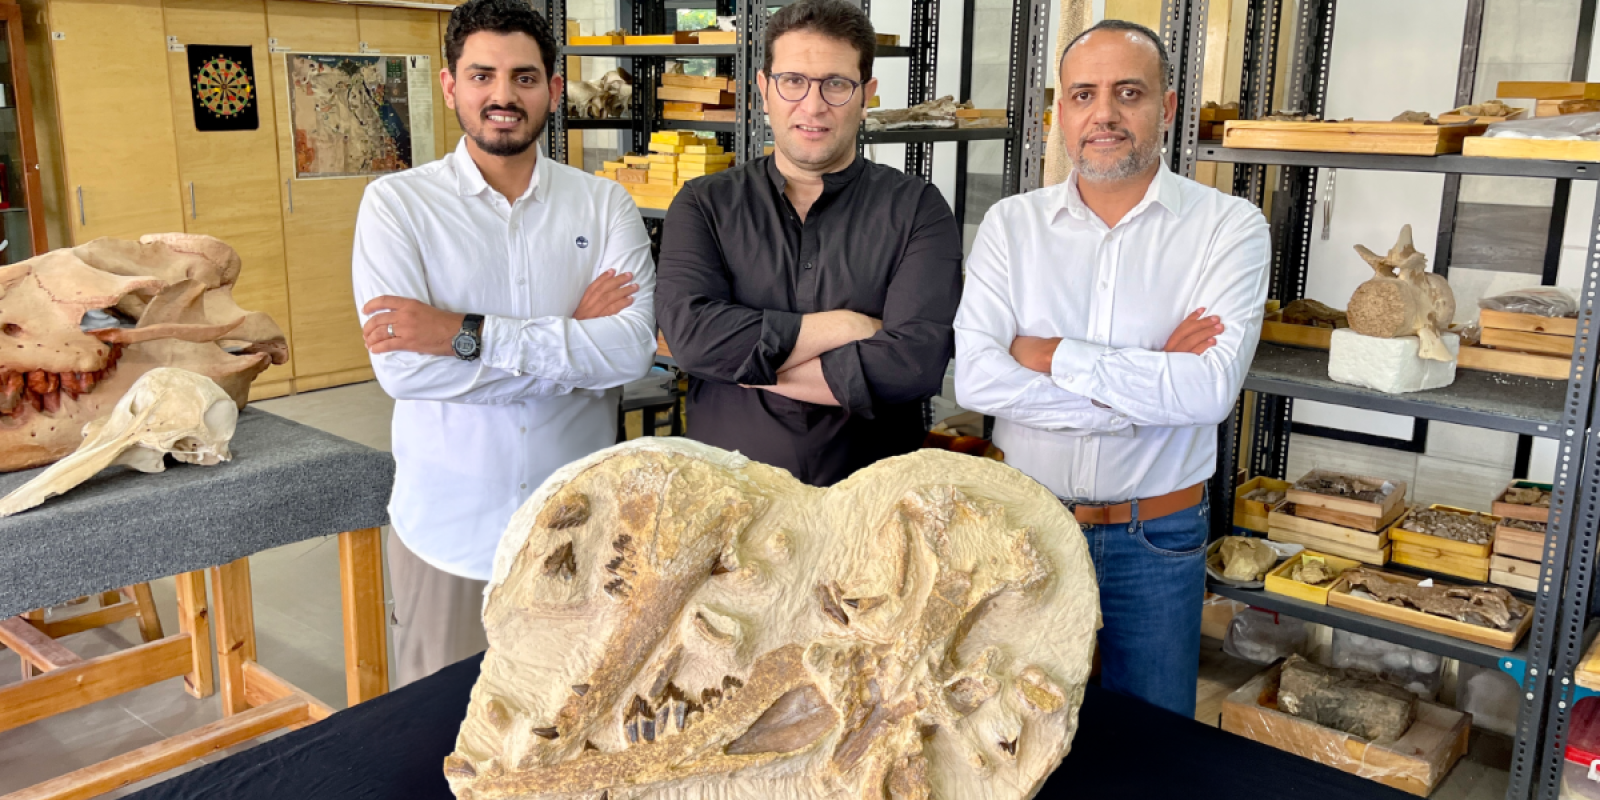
[809,294]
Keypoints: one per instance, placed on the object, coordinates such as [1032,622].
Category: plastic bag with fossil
[669,620]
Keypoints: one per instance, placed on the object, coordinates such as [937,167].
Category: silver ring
[391,330]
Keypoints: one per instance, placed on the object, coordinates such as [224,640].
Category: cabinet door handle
[194,211]
[288,186]
[81,221]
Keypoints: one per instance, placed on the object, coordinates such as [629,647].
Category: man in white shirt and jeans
[505,297]
[1108,323]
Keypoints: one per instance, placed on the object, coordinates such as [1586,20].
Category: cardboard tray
[1395,138]
[1396,499]
[1279,582]
[1416,763]
[1251,514]
[1339,597]
[1546,149]
[1503,509]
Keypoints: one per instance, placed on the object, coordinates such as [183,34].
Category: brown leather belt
[1152,508]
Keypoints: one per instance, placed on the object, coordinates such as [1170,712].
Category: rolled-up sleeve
[905,361]
[712,337]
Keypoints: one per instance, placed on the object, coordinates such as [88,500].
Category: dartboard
[223,86]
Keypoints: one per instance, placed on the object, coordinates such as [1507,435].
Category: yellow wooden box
[1548,90]
[1398,534]
[1528,513]
[1345,505]
[681,37]
[717,37]
[1511,362]
[1252,514]
[1547,149]
[1395,138]
[1279,582]
[1274,329]
[584,41]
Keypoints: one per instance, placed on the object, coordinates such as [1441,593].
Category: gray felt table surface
[286,483]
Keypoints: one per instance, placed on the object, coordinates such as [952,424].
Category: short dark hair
[835,19]
[498,16]
[1126,26]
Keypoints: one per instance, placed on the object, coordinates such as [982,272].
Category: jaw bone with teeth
[668,620]
[175,289]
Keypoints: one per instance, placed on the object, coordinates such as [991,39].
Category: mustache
[1117,129]
[519,110]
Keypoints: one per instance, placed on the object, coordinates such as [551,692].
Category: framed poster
[359,115]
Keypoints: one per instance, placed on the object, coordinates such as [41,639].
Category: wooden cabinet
[452,126]
[116,118]
[228,180]
[403,31]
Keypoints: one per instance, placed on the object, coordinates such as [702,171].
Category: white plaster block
[1389,365]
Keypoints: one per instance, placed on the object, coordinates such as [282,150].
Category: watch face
[466,346]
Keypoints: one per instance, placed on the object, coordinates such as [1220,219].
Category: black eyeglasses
[795,86]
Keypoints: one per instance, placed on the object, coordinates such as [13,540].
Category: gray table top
[286,483]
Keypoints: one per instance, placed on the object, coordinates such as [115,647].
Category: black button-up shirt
[738,269]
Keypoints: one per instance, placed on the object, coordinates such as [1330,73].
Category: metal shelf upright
[1561,411]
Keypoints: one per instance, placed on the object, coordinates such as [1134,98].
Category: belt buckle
[1103,519]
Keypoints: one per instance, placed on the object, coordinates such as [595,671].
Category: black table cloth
[393,747]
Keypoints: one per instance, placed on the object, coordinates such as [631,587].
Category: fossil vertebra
[713,628]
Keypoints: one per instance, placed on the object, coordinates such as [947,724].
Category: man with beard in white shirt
[505,297]
[1107,323]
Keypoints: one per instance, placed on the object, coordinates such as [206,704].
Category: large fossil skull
[167,411]
[1404,299]
[55,377]
[668,620]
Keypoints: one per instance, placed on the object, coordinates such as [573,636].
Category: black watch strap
[473,324]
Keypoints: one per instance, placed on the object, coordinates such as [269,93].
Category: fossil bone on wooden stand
[1404,299]
[669,620]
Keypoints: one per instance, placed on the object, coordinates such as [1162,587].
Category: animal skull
[176,288]
[1404,299]
[167,411]
[606,98]
[668,620]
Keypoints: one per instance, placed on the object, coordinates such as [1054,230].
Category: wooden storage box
[1518,543]
[1339,596]
[584,41]
[1252,514]
[1395,138]
[1548,149]
[1532,365]
[1279,582]
[1548,90]
[1559,106]
[1283,525]
[1438,554]
[717,82]
[1218,114]
[1414,763]
[1516,113]
[1305,500]
[1528,341]
[888,39]
[717,37]
[1514,511]
[1515,573]
[681,37]
[1274,329]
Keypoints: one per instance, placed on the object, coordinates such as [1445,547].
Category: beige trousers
[437,618]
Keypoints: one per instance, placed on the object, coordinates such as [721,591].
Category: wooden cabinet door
[116,120]
[404,31]
[319,215]
[452,126]
[229,179]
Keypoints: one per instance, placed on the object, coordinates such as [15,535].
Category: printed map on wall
[358,115]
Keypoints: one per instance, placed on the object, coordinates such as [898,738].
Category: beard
[1141,156]
[507,144]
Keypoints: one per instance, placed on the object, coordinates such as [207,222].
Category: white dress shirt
[473,439]
[1045,265]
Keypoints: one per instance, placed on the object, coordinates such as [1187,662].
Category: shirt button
[808,265]
[524,487]
[522,282]
[524,430]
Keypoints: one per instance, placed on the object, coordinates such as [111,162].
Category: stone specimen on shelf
[669,620]
[1291,116]
[1345,700]
[1403,299]
[1311,569]
[1245,558]
[1469,528]
[1270,497]
[166,412]
[1415,116]
[1524,525]
[1486,606]
[1332,484]
[78,326]
[1491,108]
[1538,498]
[933,114]
[605,98]
[1314,314]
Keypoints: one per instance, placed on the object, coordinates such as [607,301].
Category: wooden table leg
[149,621]
[235,631]
[194,618]
[366,641]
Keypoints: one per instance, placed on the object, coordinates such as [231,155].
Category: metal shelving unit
[1561,411]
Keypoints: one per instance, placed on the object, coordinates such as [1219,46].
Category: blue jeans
[1152,574]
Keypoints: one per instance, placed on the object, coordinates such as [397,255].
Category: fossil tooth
[710,697]
[1009,747]
[830,604]
[865,604]
[645,717]
[50,402]
[623,544]
[567,510]
[459,767]
[546,733]
[498,716]
[580,689]
[613,564]
[730,683]
[617,588]
[562,563]
[720,568]
[40,381]
[12,385]
[32,399]
[797,719]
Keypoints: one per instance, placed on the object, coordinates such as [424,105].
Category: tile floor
[299,637]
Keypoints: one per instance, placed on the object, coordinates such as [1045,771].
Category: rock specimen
[1332,484]
[1311,569]
[1403,299]
[1415,116]
[669,620]
[169,303]
[1469,528]
[168,411]
[606,98]
[1492,108]
[1524,525]
[1314,314]
[1488,606]
[1270,497]
[1345,700]
[1537,498]
[1245,558]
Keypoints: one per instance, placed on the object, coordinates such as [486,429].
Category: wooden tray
[1523,341]
[1516,113]
[1252,514]
[681,37]
[1353,521]
[1514,581]
[1487,359]
[1548,90]
[1397,534]
[698,82]
[1518,543]
[584,41]
[1286,517]
[1442,562]
[1560,106]
[1396,499]
[1532,323]
[1548,149]
[1416,762]
[1396,138]
[1274,329]
[717,37]
[1503,509]
[1339,597]
[1279,582]
[1516,566]
[1218,114]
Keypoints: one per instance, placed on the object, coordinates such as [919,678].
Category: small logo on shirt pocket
[583,242]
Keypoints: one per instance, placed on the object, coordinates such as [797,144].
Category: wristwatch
[468,343]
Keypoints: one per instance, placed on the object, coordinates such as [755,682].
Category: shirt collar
[832,182]
[470,182]
[1164,190]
